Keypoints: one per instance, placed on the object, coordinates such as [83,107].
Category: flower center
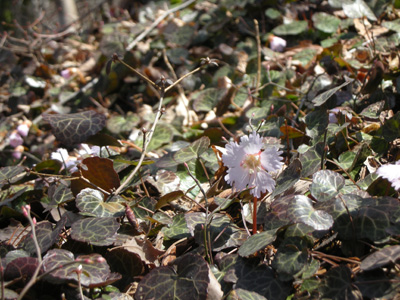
[252,163]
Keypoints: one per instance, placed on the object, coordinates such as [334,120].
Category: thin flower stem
[180,79]
[254,215]
[31,282]
[78,273]
[206,236]
[258,80]
[145,78]
[145,146]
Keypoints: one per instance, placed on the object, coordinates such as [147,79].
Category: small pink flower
[15,139]
[249,163]
[276,43]
[392,173]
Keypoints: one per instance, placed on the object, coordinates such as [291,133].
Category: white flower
[276,43]
[62,155]
[23,129]
[248,164]
[391,173]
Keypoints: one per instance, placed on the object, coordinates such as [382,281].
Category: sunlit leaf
[322,98]
[358,9]
[193,151]
[302,211]
[95,270]
[257,242]
[96,231]
[326,22]
[91,203]
[326,185]
[293,28]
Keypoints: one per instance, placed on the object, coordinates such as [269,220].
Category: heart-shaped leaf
[338,284]
[192,151]
[59,194]
[292,257]
[46,236]
[99,172]
[358,9]
[381,258]
[223,232]
[311,160]
[95,270]
[96,231]
[302,211]
[177,230]
[326,22]
[117,124]
[293,28]
[21,267]
[75,128]
[287,178]
[91,203]
[187,279]
[8,173]
[322,98]
[326,185]
[257,242]
[258,278]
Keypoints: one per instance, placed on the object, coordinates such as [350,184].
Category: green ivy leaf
[311,160]
[91,203]
[322,98]
[96,231]
[287,178]
[302,211]
[75,128]
[357,10]
[338,284]
[118,124]
[188,278]
[46,236]
[95,273]
[381,258]
[326,185]
[243,274]
[257,242]
[193,151]
[291,257]
[207,99]
[177,230]
[294,28]
[223,232]
[325,22]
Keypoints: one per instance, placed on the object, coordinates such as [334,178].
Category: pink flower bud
[100,259]
[24,211]
[15,139]
[34,221]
